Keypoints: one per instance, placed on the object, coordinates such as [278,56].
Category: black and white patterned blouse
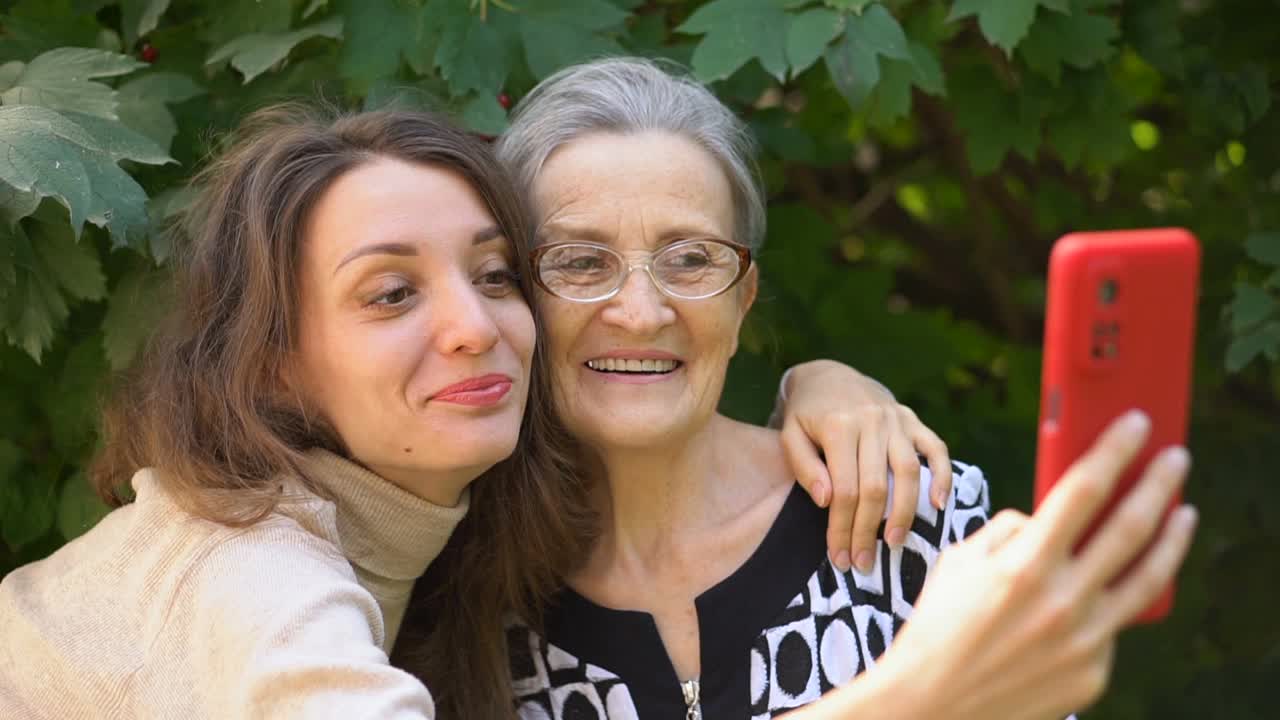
[780,631]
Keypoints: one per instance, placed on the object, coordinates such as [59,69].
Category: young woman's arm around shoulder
[1013,624]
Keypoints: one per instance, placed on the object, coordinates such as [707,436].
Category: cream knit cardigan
[155,613]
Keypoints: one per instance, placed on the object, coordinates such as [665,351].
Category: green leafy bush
[921,157]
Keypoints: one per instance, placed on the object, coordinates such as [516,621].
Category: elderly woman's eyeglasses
[687,270]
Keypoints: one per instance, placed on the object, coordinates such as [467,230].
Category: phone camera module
[1108,291]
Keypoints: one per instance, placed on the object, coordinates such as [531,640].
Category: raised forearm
[882,691]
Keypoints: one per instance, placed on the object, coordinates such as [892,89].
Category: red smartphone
[1119,331]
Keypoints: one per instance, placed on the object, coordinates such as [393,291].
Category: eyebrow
[402,249]
[546,233]
[592,235]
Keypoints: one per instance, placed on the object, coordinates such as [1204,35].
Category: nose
[639,307]
[463,320]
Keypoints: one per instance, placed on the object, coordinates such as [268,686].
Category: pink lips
[482,391]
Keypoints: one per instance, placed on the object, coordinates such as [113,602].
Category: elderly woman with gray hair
[708,592]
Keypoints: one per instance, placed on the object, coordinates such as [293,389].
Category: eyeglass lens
[692,269]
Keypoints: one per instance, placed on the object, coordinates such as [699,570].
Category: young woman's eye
[497,282]
[393,298]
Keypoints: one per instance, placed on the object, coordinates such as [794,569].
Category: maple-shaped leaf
[892,97]
[1264,247]
[375,35]
[1081,40]
[1005,22]
[252,54]
[49,268]
[72,158]
[140,17]
[995,121]
[558,33]
[736,32]
[137,304]
[144,100]
[464,38]
[63,79]
[810,33]
[854,60]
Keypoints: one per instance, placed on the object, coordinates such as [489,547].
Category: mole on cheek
[408,450]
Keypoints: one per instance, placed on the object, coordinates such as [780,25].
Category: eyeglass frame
[744,265]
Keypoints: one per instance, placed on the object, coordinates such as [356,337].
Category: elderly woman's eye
[576,265]
[692,256]
[691,259]
[584,263]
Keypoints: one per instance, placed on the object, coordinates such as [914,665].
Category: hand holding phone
[1019,617]
[1119,329]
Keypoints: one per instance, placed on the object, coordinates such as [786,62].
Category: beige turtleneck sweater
[156,613]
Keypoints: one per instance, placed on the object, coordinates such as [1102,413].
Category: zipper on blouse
[692,690]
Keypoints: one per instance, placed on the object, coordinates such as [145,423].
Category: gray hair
[631,95]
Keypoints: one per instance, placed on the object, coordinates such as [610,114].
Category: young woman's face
[415,343]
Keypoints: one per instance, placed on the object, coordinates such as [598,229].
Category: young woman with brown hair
[341,280]
[352,346]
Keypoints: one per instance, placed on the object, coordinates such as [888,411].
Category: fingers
[805,463]
[1072,504]
[840,447]
[998,530]
[906,489]
[928,444]
[1126,533]
[1154,571]
[873,491]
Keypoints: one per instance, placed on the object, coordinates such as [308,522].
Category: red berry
[148,53]
[504,100]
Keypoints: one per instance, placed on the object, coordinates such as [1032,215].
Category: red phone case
[1119,330]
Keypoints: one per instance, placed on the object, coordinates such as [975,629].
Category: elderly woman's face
[415,343]
[640,368]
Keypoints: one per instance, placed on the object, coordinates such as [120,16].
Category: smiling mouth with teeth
[622,365]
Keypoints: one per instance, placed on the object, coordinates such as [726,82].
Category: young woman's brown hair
[206,404]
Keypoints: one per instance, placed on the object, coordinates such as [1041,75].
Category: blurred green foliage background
[921,156]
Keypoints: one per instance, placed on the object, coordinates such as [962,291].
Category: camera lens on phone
[1107,291]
